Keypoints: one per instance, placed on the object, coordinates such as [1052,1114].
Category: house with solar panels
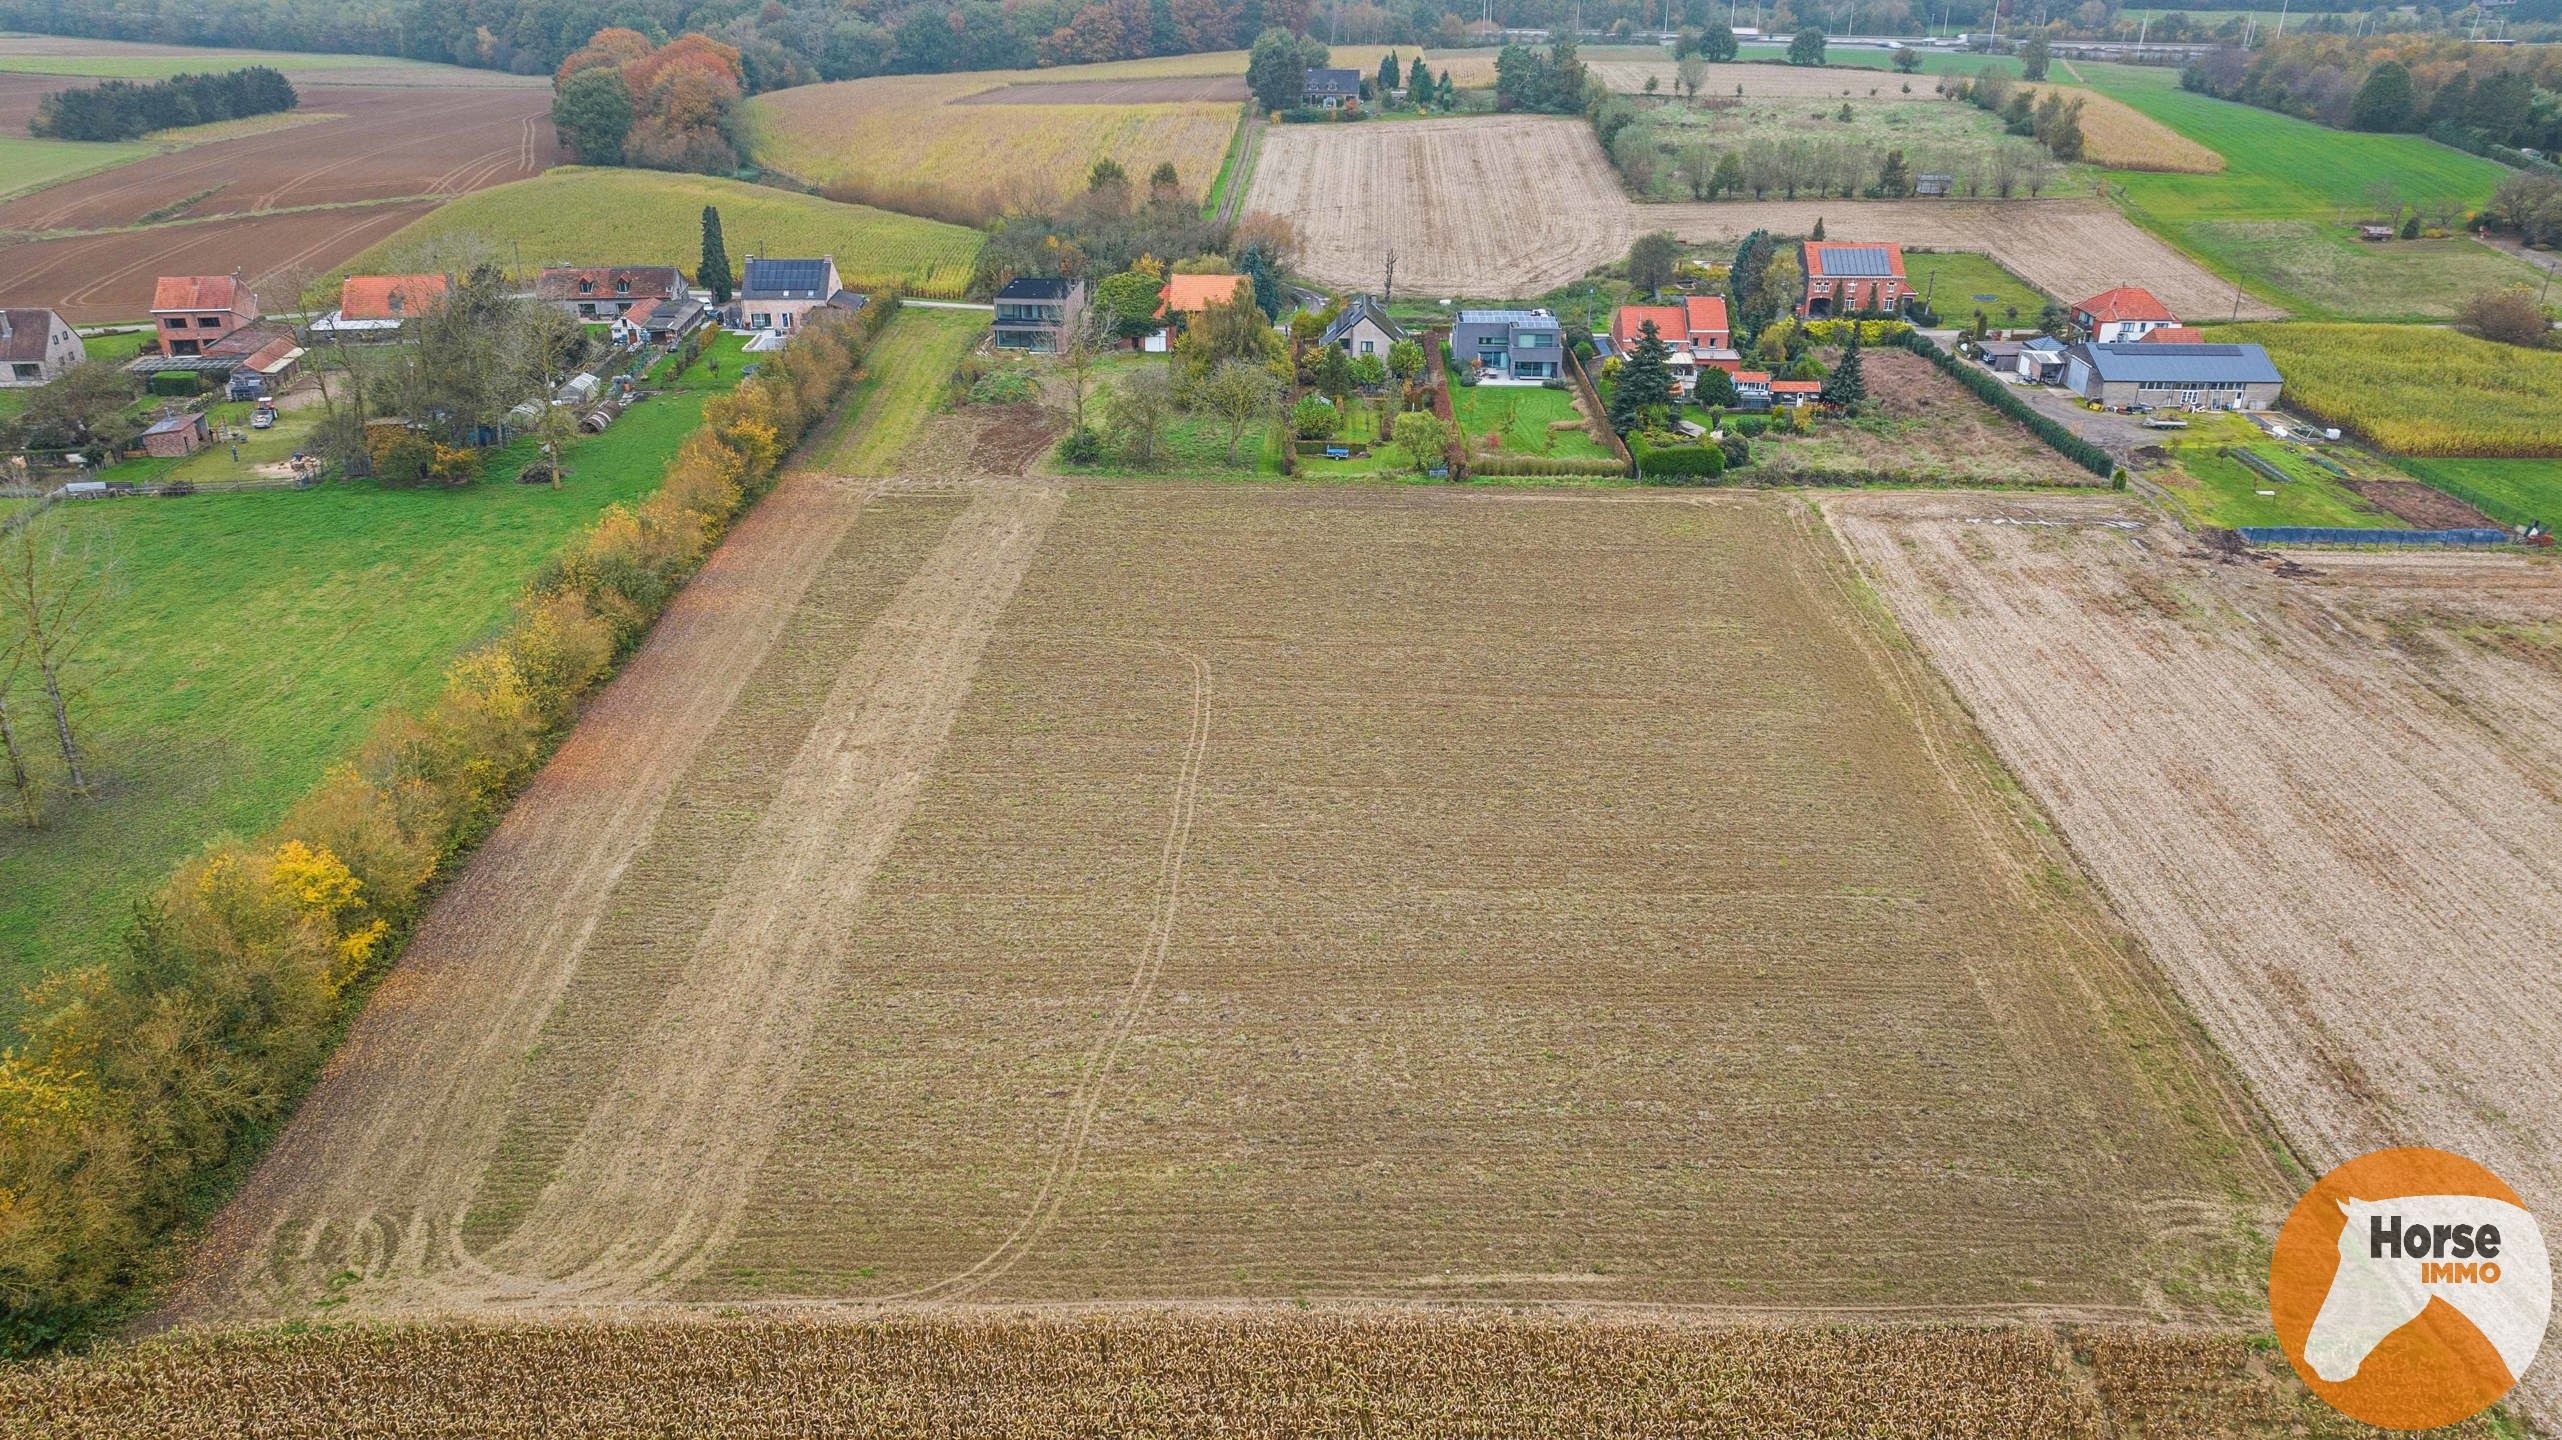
[1852,277]
[2156,376]
[780,295]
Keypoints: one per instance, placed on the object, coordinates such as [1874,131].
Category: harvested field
[1328,177]
[1260,1374]
[981,891]
[108,276]
[932,144]
[1919,426]
[386,143]
[2328,804]
[1173,90]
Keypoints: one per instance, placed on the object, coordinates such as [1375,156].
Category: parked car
[262,418]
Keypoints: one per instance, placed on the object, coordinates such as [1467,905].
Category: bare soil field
[386,143]
[1450,242]
[1919,426]
[2327,802]
[1236,1374]
[108,276]
[1171,90]
[2424,507]
[985,892]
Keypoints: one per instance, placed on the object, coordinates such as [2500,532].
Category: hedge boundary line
[1996,394]
[147,1085]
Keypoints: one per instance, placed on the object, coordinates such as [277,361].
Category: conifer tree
[1845,388]
[1644,386]
[714,274]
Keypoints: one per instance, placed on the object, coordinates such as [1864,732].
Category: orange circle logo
[2410,1288]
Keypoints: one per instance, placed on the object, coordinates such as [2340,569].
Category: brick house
[1852,277]
[381,304]
[781,295]
[2128,312]
[35,346]
[1695,330]
[604,292]
[191,312]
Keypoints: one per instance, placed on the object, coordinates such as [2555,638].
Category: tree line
[622,100]
[2507,96]
[124,109]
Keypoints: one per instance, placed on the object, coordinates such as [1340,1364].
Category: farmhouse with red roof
[2128,312]
[193,311]
[1853,277]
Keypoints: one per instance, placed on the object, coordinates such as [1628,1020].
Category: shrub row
[143,1081]
[1998,395]
[1491,463]
[1677,462]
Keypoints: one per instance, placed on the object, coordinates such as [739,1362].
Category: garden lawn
[2216,489]
[1521,415]
[1960,282]
[252,639]
[2278,217]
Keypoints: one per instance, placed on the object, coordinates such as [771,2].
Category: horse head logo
[2482,1256]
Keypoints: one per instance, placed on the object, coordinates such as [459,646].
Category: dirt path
[2329,807]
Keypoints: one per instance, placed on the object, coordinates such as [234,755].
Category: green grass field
[156,67]
[30,164]
[2513,492]
[1521,414]
[1959,283]
[2279,216]
[1934,62]
[901,379]
[251,639]
[2221,490]
[655,217]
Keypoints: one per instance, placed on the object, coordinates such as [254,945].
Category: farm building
[780,294]
[1850,277]
[1510,344]
[35,346]
[176,436]
[1795,393]
[1035,313]
[265,351]
[1331,89]
[674,319]
[2128,312]
[2213,377]
[601,292]
[377,305]
[1752,388]
[1363,328]
[1934,183]
[193,311]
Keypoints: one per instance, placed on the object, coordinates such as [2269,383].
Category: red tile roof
[640,282]
[1706,314]
[1628,320]
[2126,302]
[1192,294]
[368,297]
[196,292]
[2177,335]
[1752,377]
[1796,387]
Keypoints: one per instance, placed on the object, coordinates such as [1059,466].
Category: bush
[140,1082]
[1081,446]
[404,459]
[1002,387]
[1747,424]
[175,382]
[1315,418]
[1667,458]
[1496,463]
[1738,451]
[1998,395]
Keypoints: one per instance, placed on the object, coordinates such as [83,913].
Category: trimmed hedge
[1998,395]
[142,1083]
[1494,463]
[1678,463]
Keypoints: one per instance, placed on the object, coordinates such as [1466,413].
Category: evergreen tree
[1895,178]
[1729,179]
[714,274]
[1419,87]
[2384,101]
[1806,47]
[1818,232]
[2034,57]
[1846,387]
[1720,45]
[1449,90]
[1387,75]
[1644,386]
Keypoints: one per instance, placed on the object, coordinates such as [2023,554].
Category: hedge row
[1678,461]
[1498,462]
[141,1082]
[1998,395]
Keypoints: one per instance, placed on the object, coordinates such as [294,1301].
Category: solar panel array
[786,279]
[1860,262]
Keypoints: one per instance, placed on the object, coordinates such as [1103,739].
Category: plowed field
[983,891]
[2328,804]
[108,276]
[1455,233]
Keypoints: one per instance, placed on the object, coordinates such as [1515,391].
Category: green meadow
[1957,283]
[249,640]
[2281,217]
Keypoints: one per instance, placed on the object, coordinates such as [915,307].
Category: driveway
[2117,434]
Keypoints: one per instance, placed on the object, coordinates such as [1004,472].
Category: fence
[2332,535]
[1597,423]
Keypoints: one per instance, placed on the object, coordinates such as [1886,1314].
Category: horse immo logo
[2410,1288]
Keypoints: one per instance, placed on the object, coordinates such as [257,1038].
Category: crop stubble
[2327,806]
[1454,235]
[1333,893]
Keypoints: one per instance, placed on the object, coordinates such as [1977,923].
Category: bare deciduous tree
[52,582]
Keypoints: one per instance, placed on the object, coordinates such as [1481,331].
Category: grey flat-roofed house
[1331,88]
[1037,313]
[1510,344]
[2208,377]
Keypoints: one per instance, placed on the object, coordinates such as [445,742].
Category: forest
[2473,96]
